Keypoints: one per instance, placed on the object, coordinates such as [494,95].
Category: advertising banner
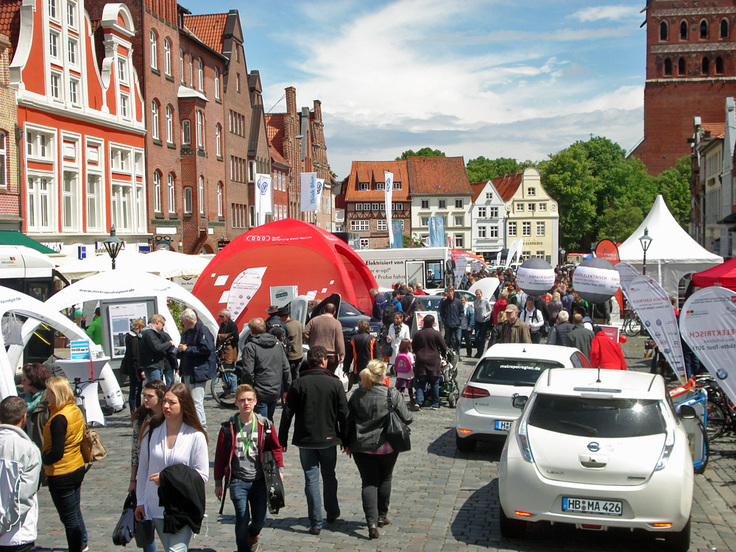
[513,249]
[436,231]
[120,323]
[310,201]
[652,305]
[708,326]
[535,277]
[244,287]
[606,249]
[398,241]
[596,280]
[389,180]
[626,274]
[264,197]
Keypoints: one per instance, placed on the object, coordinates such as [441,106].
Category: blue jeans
[481,329]
[421,384]
[249,497]
[231,383]
[265,409]
[453,337]
[313,462]
[134,396]
[67,504]
[167,376]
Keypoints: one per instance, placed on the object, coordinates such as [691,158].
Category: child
[397,332]
[404,366]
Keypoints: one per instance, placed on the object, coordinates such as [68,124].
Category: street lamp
[113,244]
[645,242]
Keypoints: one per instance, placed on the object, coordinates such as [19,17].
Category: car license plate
[503,425]
[592,506]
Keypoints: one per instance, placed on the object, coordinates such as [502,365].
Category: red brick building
[690,70]
[10,218]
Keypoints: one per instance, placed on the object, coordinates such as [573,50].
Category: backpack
[387,317]
[278,330]
[402,364]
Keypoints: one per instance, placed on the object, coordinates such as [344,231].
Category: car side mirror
[687,412]
[519,401]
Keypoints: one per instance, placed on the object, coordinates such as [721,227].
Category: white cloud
[615,13]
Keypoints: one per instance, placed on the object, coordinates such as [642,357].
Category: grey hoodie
[266,366]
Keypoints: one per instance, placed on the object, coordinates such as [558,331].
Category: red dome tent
[720,275]
[283,253]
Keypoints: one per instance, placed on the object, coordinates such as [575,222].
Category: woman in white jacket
[180,439]
[396,333]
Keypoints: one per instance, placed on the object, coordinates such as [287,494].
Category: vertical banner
[513,248]
[653,306]
[626,274]
[520,246]
[498,259]
[264,197]
[708,326]
[398,241]
[309,192]
[320,186]
[389,180]
[436,231]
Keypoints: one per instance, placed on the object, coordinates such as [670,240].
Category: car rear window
[511,371]
[590,417]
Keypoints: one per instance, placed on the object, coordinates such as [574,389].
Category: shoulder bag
[125,528]
[397,432]
[91,446]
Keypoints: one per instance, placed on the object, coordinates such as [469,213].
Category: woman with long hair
[179,440]
[35,376]
[368,411]
[149,414]
[62,459]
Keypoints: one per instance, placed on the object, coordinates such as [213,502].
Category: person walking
[605,352]
[265,367]
[483,319]
[227,344]
[368,411]
[532,317]
[467,325]
[514,329]
[558,335]
[131,366]
[179,441]
[20,472]
[196,353]
[428,346]
[62,459]
[295,350]
[451,314]
[157,351]
[34,378]
[239,461]
[580,336]
[325,330]
[363,348]
[317,400]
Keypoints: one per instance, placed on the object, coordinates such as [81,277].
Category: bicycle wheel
[717,420]
[632,326]
[220,388]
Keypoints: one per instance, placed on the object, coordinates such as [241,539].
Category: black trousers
[376,473]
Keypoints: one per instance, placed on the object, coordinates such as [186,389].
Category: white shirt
[189,449]
[395,340]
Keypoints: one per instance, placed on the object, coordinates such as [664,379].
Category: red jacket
[267,440]
[498,306]
[606,353]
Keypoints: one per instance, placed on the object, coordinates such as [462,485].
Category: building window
[124,112]
[459,241]
[683,30]
[494,231]
[459,220]
[74,91]
[93,202]
[724,28]
[200,195]
[381,225]
[489,195]
[191,71]
[530,207]
[458,204]
[493,212]
[703,29]
[481,212]
[481,231]
[397,185]
[167,57]
[526,229]
[237,83]
[667,67]
[157,191]
[186,133]
[531,191]
[72,51]
[181,64]
[71,14]
[53,45]
[425,204]
[519,207]
[424,221]
[69,195]
[364,243]
[359,225]
[54,83]
[218,139]
[540,229]
[155,120]
[364,186]
[542,206]
[512,229]
[39,145]
[123,70]
[200,130]
[172,193]
[220,199]
[200,75]
[705,66]
[663,31]
[3,160]
[187,201]
[719,65]
[217,84]
[169,124]
[52,9]
[154,50]
[120,160]
[681,66]
[442,204]
[39,203]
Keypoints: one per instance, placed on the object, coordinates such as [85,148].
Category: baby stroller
[448,384]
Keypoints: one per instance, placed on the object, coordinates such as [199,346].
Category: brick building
[690,70]
[10,217]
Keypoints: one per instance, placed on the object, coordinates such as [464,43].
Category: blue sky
[498,78]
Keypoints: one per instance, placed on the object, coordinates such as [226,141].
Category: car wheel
[511,528]
[465,444]
[678,541]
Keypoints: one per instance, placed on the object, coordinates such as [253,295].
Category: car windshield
[591,417]
[511,371]
[429,302]
[346,309]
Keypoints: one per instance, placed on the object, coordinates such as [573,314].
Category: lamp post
[113,244]
[645,242]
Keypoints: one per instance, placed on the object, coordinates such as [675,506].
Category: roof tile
[438,175]
[372,172]
[507,185]
[208,28]
[10,21]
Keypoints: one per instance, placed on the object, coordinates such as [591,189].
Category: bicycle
[721,411]
[221,386]
[632,325]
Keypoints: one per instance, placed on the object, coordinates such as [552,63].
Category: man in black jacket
[157,351]
[318,401]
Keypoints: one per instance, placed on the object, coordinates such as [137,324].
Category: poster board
[117,317]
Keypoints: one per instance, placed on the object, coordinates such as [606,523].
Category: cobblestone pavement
[442,499]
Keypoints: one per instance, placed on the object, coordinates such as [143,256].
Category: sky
[493,78]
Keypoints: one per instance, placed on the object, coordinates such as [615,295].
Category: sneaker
[85,549]
[417,408]
[254,544]
[435,408]
[383,521]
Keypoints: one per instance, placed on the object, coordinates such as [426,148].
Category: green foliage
[424,152]
[481,169]
[674,185]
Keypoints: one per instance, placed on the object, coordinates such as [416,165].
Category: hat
[511,308]
[273,309]
[285,310]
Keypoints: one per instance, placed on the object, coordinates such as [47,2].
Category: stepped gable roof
[275,130]
[372,172]
[207,28]
[507,185]
[477,188]
[10,22]
[438,176]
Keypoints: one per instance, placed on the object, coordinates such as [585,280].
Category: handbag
[144,533]
[397,432]
[125,528]
[274,485]
[12,329]
[91,446]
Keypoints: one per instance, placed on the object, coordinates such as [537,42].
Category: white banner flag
[626,274]
[389,178]
[320,187]
[513,248]
[264,197]
[310,201]
[520,246]
[652,305]
[708,326]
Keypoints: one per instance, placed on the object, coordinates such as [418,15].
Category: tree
[481,169]
[674,185]
[424,152]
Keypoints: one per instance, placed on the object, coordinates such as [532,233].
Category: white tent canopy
[672,253]
[167,264]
